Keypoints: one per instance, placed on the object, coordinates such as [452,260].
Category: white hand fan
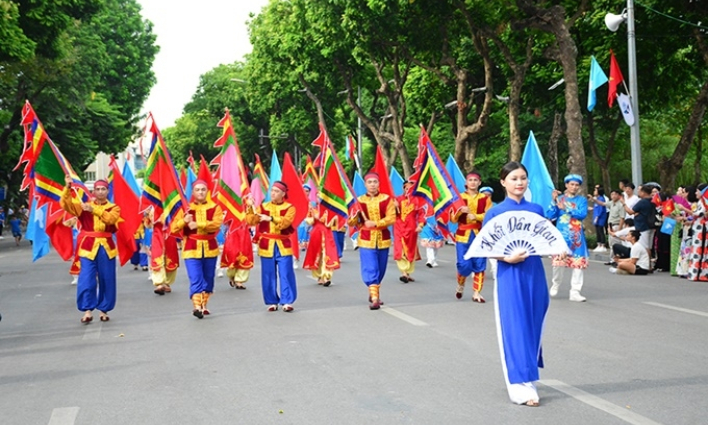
[517,231]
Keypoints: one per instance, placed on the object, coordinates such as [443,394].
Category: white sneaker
[575,296]
[75,280]
[613,270]
[435,264]
[295,266]
[220,273]
[553,291]
[600,249]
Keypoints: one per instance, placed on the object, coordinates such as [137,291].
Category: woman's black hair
[509,167]
[636,234]
[600,190]
[691,194]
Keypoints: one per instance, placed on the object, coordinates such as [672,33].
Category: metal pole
[634,97]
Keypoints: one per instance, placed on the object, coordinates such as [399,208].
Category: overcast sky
[194,37]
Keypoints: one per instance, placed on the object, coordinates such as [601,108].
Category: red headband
[281,186]
[474,174]
[100,183]
[371,175]
[200,181]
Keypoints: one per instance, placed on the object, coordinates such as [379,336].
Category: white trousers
[431,254]
[576,280]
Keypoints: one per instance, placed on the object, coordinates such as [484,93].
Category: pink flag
[257,191]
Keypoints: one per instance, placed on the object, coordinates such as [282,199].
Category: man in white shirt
[638,262]
[630,198]
[619,242]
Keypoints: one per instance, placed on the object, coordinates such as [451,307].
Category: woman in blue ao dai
[521,299]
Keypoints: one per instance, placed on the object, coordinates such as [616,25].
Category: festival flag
[183,177]
[275,173]
[597,79]
[396,182]
[130,179]
[310,178]
[36,233]
[359,185]
[259,171]
[380,168]
[321,141]
[540,188]
[161,188]
[61,236]
[668,207]
[656,200]
[206,175]
[191,162]
[191,178]
[433,183]
[130,217]
[257,191]
[625,106]
[351,152]
[456,173]
[232,182]
[615,79]
[296,193]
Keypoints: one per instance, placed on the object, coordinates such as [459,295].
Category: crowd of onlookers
[645,230]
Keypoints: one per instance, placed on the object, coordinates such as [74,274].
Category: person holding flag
[569,210]
[273,221]
[378,212]
[96,288]
[410,220]
[322,255]
[200,224]
[164,257]
[237,257]
[469,219]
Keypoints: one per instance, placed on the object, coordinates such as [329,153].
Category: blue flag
[36,225]
[191,178]
[396,182]
[541,186]
[455,173]
[597,78]
[275,173]
[130,179]
[358,185]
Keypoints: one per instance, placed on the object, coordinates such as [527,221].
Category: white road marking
[64,416]
[598,403]
[403,316]
[683,310]
[93,330]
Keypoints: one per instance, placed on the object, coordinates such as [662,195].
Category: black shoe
[403,279]
[428,265]
[609,263]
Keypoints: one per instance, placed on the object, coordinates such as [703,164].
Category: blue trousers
[96,287]
[272,268]
[373,265]
[473,265]
[339,241]
[201,274]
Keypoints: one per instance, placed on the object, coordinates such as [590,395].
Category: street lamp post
[613,21]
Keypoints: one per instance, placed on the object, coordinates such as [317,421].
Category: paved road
[634,353]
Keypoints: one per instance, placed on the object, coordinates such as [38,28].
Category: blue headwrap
[307,186]
[486,189]
[573,177]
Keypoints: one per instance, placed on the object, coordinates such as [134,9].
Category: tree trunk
[697,177]
[556,134]
[669,167]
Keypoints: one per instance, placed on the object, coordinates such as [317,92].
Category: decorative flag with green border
[231,181]
[161,187]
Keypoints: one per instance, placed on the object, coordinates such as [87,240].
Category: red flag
[130,217]
[668,207]
[205,174]
[183,177]
[380,168]
[656,199]
[190,160]
[296,193]
[321,141]
[615,79]
[61,236]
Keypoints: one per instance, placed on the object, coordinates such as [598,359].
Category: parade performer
[237,257]
[273,221]
[303,230]
[200,224]
[410,220]
[96,288]
[521,299]
[469,219]
[140,257]
[432,239]
[569,211]
[374,239]
[165,258]
[322,256]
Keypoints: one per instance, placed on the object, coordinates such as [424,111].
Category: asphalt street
[633,353]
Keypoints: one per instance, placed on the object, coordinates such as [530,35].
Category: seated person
[638,262]
[619,242]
